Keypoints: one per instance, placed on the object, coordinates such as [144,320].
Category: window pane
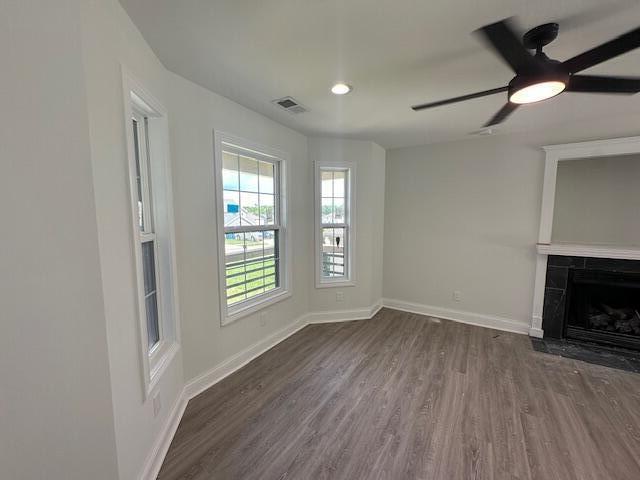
[153,332]
[333,260]
[267,177]
[248,174]
[249,209]
[230,174]
[149,267]
[267,209]
[252,266]
[150,292]
[136,152]
[339,181]
[235,271]
[338,210]
[231,206]
[327,183]
[255,275]
[327,210]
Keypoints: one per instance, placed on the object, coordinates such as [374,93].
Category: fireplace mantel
[553,155]
[583,250]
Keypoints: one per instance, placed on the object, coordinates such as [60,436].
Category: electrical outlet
[263,319]
[339,296]
[157,405]
[457,296]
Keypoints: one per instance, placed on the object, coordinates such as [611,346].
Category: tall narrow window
[334,231]
[252,213]
[146,234]
[147,133]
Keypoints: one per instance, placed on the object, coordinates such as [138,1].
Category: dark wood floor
[403,396]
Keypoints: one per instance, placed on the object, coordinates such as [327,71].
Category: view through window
[334,222]
[251,201]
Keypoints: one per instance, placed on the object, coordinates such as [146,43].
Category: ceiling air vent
[290,105]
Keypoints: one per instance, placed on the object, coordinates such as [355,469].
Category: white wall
[195,113]
[56,419]
[598,201]
[109,40]
[465,215]
[370,167]
[458,216]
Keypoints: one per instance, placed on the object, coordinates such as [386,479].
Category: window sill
[251,308]
[158,363]
[340,283]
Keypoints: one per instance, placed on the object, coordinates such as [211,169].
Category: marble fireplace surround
[544,247]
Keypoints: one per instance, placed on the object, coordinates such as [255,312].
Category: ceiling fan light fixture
[525,89]
[537,92]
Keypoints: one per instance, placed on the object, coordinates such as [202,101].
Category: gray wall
[465,215]
[598,201]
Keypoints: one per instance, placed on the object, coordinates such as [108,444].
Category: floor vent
[290,105]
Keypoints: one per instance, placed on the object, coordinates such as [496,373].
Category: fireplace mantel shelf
[598,251]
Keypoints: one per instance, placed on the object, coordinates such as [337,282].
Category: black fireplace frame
[558,295]
[587,278]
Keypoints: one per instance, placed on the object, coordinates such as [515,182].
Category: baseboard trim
[477,319]
[161,447]
[344,315]
[206,380]
[536,332]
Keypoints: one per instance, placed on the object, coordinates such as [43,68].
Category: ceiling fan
[538,77]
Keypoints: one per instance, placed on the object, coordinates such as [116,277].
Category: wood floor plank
[405,396]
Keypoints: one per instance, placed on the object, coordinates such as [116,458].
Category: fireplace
[593,300]
[604,307]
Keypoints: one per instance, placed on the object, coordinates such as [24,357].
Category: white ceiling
[395,53]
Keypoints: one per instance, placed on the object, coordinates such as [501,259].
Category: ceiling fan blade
[502,37]
[502,114]
[604,52]
[595,84]
[461,98]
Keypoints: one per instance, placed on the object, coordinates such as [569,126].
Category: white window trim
[154,362]
[350,212]
[284,291]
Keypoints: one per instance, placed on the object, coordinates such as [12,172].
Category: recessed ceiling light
[340,89]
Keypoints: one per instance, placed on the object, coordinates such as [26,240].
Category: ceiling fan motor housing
[542,35]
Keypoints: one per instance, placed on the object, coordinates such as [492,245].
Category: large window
[147,134]
[334,224]
[251,208]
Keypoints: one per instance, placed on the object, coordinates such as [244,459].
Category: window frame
[146,233]
[156,186]
[349,280]
[224,141]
